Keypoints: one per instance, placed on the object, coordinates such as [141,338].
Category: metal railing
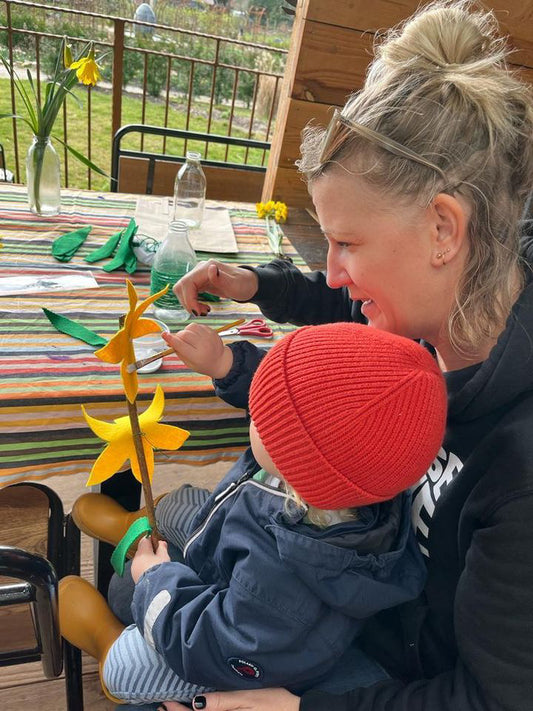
[153,74]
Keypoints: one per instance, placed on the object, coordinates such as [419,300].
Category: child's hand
[145,557]
[202,350]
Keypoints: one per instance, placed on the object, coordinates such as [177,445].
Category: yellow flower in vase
[41,110]
[87,69]
[273,213]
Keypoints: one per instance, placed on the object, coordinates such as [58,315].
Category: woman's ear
[449,216]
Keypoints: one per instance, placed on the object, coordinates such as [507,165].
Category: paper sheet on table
[46,281]
[153,214]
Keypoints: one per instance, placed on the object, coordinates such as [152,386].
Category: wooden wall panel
[332,63]
[514,16]
[300,113]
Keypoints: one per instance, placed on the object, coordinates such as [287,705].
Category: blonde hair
[439,85]
[316,516]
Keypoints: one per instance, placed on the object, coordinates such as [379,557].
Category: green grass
[101,138]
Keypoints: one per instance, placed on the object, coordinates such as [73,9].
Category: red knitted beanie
[349,415]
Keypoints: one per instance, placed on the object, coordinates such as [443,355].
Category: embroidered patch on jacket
[245,668]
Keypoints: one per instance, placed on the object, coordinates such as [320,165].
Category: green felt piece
[76,330]
[106,250]
[124,256]
[66,246]
[138,528]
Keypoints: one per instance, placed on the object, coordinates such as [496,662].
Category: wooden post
[118,68]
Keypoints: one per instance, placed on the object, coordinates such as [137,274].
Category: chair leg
[73,677]
[71,654]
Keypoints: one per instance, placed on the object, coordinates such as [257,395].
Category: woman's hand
[223,280]
[145,557]
[256,700]
[202,350]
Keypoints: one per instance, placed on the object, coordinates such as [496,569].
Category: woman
[419,185]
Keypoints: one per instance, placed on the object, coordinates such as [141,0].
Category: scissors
[256,327]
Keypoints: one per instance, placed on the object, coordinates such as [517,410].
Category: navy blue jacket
[264,599]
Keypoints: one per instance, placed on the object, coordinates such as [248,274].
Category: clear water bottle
[189,191]
[174,258]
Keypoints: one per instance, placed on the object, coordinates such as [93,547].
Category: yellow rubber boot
[87,622]
[101,517]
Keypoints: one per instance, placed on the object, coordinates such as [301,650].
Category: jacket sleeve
[286,294]
[493,627]
[204,632]
[234,388]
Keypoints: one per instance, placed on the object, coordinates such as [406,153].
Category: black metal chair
[149,172]
[6,176]
[38,545]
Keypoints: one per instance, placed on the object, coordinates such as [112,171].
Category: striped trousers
[133,670]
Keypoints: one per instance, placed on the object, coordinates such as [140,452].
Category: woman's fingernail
[194,312]
[199,702]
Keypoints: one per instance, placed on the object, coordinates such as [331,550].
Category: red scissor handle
[255,327]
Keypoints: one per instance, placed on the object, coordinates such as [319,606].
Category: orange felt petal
[129,380]
[113,351]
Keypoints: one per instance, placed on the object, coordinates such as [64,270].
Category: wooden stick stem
[145,479]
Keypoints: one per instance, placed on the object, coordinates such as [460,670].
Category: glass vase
[43,177]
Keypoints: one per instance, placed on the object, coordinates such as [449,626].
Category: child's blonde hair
[319,517]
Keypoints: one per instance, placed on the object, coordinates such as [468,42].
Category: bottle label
[159,280]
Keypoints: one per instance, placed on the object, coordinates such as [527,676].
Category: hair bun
[444,36]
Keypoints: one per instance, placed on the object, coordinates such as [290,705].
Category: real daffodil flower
[87,69]
[119,349]
[120,443]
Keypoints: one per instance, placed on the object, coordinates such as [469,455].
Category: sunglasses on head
[333,141]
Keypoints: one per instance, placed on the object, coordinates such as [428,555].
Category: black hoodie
[467,643]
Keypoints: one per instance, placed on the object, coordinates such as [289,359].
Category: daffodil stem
[145,479]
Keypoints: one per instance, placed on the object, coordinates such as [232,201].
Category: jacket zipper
[221,498]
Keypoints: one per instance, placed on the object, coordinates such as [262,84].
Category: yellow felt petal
[144,326]
[141,308]
[108,463]
[132,295]
[166,436]
[149,456]
[129,380]
[113,351]
[155,411]
[102,429]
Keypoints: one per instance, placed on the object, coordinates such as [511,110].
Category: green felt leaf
[74,329]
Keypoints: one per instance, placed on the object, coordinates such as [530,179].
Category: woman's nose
[335,274]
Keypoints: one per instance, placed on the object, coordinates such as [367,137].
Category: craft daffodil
[121,445]
[119,349]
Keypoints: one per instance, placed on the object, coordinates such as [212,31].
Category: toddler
[306,537]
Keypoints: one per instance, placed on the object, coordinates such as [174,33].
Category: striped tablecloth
[45,376]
